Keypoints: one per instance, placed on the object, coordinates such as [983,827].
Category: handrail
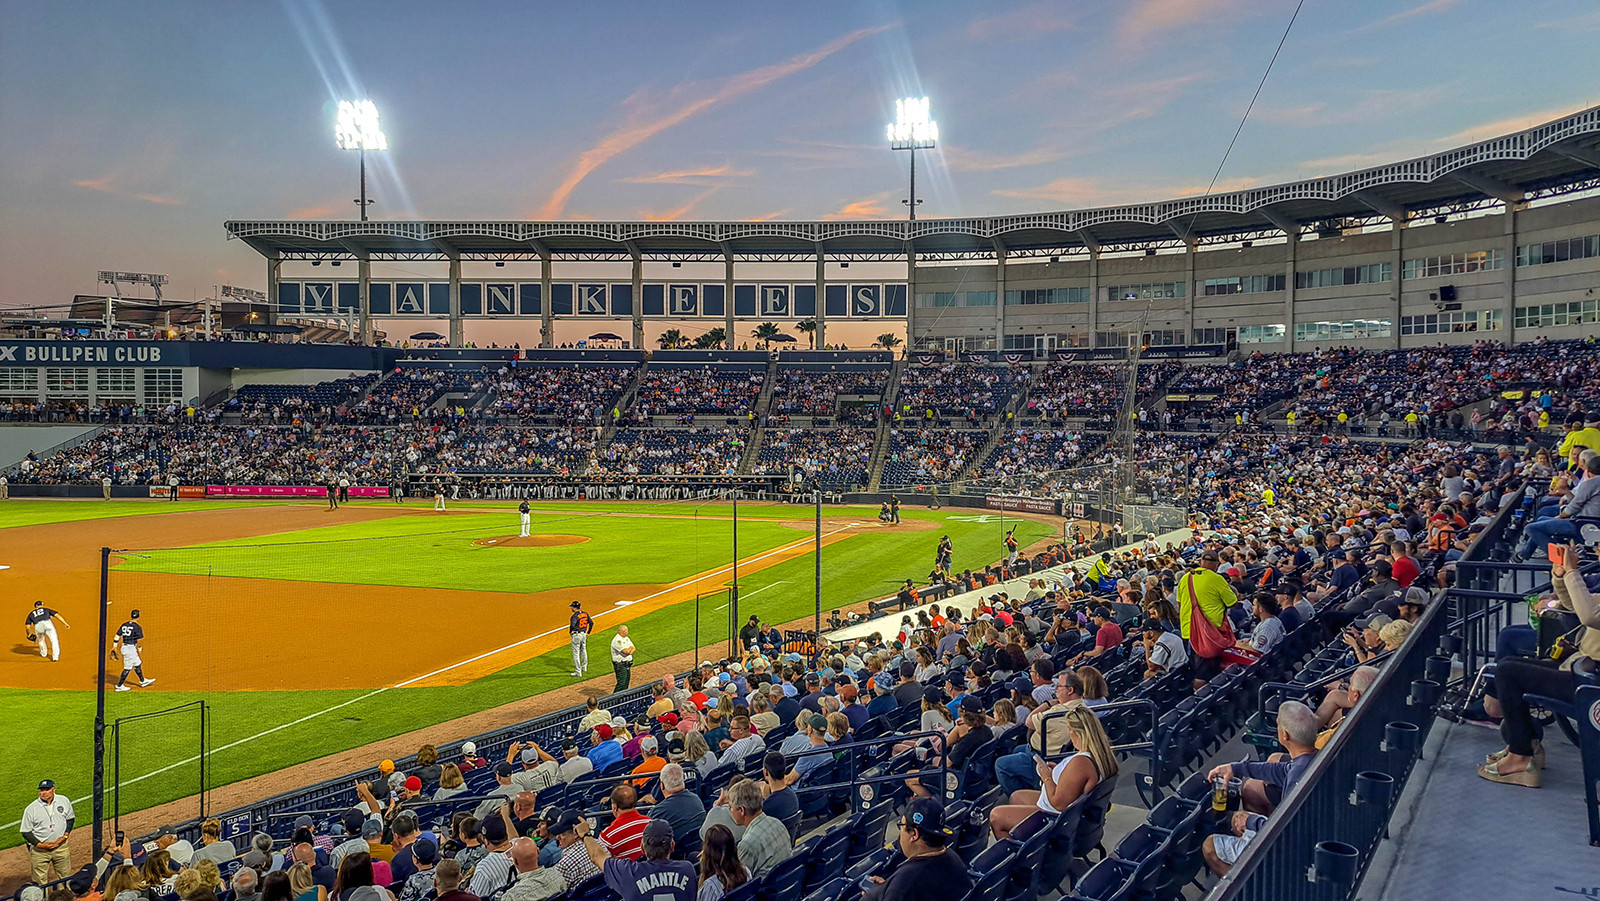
[1283,855]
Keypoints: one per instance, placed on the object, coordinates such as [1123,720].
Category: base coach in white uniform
[46,823]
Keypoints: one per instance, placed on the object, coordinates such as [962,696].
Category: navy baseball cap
[926,815]
[45,784]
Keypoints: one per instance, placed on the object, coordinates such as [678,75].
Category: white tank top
[1061,767]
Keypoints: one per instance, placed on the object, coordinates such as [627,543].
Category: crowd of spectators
[957,389]
[669,452]
[929,455]
[498,449]
[407,394]
[834,457]
[811,392]
[556,394]
[698,391]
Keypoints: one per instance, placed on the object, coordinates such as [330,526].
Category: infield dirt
[454,635]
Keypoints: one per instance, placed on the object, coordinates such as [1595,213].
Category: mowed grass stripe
[414,553]
[867,566]
[20,512]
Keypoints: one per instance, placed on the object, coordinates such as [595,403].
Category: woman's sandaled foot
[1528,778]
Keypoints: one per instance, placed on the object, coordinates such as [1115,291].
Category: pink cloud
[1030,21]
[768,217]
[866,208]
[319,211]
[702,176]
[1151,17]
[681,211]
[108,184]
[1424,9]
[645,124]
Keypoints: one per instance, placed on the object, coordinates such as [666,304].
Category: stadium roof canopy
[1558,157]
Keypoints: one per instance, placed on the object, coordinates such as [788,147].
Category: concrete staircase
[880,446]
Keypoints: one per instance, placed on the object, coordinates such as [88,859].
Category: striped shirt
[491,874]
[625,836]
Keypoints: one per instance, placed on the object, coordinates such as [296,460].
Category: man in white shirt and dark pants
[46,823]
[622,658]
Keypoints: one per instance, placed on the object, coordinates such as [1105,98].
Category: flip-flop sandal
[1528,778]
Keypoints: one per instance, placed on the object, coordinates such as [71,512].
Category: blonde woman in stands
[1068,780]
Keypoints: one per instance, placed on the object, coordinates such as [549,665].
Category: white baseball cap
[469,748]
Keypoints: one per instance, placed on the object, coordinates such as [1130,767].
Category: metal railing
[1320,839]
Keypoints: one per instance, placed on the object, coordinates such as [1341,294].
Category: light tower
[913,130]
[357,129]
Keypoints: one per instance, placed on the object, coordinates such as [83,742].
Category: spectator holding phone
[1516,677]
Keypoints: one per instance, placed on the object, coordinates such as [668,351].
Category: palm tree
[711,339]
[887,341]
[765,332]
[809,327]
[670,338]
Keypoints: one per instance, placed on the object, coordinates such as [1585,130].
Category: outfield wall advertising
[1022,504]
[249,491]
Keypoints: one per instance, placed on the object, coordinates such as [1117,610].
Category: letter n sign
[683,300]
[498,297]
[774,300]
[591,300]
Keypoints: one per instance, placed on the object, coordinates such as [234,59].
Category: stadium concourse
[1293,682]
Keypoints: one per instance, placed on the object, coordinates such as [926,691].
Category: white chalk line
[375,692]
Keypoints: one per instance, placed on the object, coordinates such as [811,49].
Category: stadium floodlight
[357,129]
[913,130]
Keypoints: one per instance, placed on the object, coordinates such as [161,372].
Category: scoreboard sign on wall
[657,300]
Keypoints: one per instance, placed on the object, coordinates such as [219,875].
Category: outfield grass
[44,511]
[51,734]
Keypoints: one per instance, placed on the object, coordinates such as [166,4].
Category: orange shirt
[652,764]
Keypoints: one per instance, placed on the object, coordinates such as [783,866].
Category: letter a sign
[408,297]
[774,300]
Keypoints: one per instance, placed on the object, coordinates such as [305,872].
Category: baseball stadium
[1234,545]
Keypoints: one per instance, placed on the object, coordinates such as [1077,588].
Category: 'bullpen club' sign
[80,352]
[1023,504]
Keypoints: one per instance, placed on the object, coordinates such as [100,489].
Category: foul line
[378,691]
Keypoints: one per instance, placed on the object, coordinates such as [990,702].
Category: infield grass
[243,739]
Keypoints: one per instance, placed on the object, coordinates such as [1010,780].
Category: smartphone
[1557,554]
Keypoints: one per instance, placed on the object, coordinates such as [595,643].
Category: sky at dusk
[129,132]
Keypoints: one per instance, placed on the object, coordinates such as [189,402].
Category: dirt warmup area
[217,634]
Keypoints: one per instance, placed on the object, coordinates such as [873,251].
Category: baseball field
[310,632]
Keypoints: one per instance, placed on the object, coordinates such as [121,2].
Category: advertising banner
[1023,504]
[273,491]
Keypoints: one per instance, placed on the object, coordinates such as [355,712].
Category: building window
[1572,312]
[1454,264]
[19,384]
[114,384]
[1112,339]
[163,386]
[1343,329]
[1343,275]
[1451,323]
[980,342]
[1156,291]
[979,299]
[1076,339]
[1028,296]
[1559,251]
[1163,337]
[66,382]
[1244,284]
[1261,334]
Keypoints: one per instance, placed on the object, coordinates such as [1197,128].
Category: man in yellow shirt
[1214,596]
[1578,434]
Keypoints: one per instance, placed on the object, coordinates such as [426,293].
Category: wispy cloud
[108,184]
[768,217]
[706,175]
[680,211]
[1573,24]
[1429,8]
[1147,18]
[1368,106]
[645,123]
[865,208]
[1399,150]
[966,159]
[1093,192]
[316,211]
[1023,23]
[1072,192]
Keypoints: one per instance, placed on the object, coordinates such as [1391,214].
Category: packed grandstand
[1332,501]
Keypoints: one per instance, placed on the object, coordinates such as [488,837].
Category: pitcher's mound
[531,541]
